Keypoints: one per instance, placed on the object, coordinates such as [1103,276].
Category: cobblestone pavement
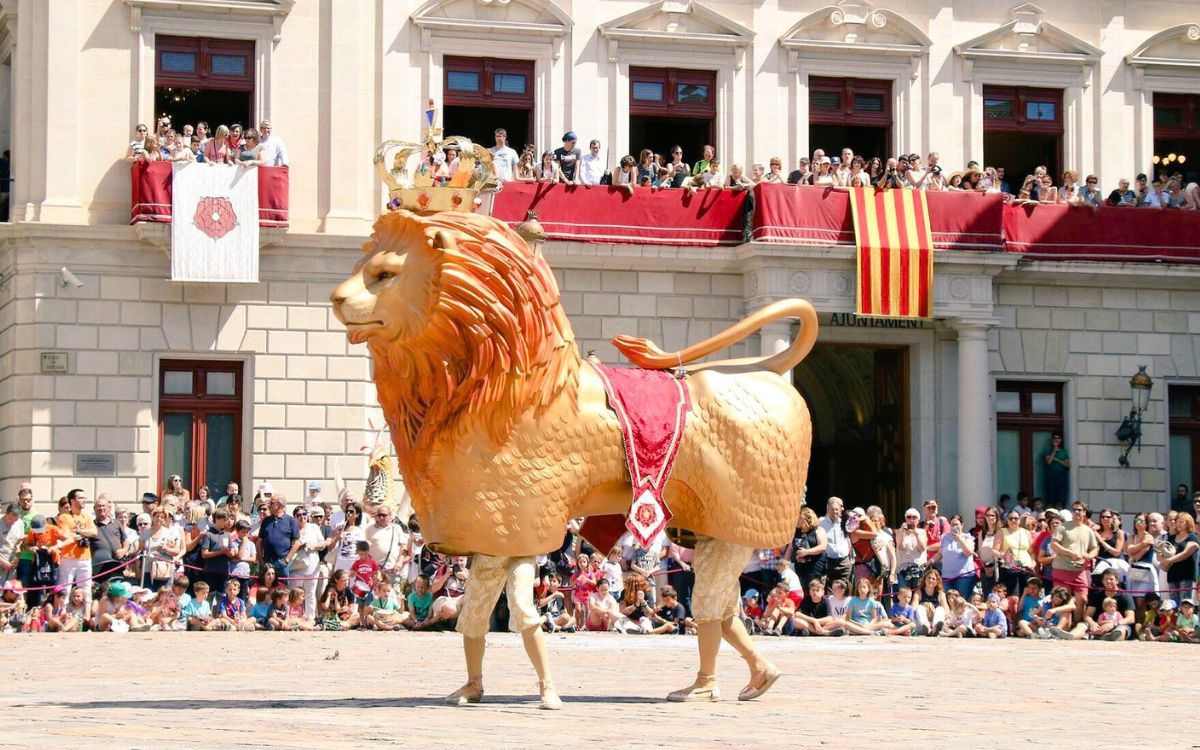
[288,691]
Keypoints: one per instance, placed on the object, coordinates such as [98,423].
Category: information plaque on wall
[54,362]
[96,463]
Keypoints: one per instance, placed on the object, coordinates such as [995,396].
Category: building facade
[117,383]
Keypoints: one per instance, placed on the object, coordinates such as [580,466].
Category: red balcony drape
[151,194]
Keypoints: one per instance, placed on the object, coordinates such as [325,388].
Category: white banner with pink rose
[214,230]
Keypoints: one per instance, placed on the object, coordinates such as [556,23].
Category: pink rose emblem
[215,217]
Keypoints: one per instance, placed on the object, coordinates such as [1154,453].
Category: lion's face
[388,296]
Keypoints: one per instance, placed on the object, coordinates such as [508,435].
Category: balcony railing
[818,216]
[151,186]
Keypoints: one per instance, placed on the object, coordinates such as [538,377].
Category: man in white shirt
[271,148]
[504,159]
[591,166]
[837,549]
[387,541]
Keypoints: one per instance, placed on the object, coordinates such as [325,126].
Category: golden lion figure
[503,435]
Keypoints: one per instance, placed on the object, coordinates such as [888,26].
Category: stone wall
[309,399]
[1092,334]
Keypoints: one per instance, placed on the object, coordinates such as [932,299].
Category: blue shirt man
[279,535]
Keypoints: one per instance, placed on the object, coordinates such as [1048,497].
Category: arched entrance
[858,398]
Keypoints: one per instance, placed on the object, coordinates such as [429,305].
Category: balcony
[151,202]
[820,217]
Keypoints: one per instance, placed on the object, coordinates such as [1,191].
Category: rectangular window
[868,102]
[1045,111]
[850,102]
[1026,416]
[228,65]
[178,62]
[488,81]
[461,80]
[1022,109]
[997,109]
[510,83]
[1183,403]
[672,92]
[647,91]
[1171,117]
[200,418]
[691,93]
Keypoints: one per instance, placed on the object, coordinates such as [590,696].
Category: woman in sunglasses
[346,537]
[137,147]
[1013,545]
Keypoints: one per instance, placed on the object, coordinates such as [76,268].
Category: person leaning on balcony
[892,177]
[1089,194]
[180,149]
[738,179]
[251,153]
[524,169]
[137,146]
[701,166]
[774,173]
[548,170]
[217,150]
[275,154]
[801,175]
[626,175]
[591,166]
[1047,193]
[1122,195]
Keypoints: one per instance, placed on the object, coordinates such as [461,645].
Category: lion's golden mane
[496,341]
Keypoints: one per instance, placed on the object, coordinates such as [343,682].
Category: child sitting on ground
[295,611]
[671,617]
[780,609]
[751,610]
[603,609]
[12,608]
[961,617]
[261,611]
[385,612]
[275,611]
[838,601]
[1185,622]
[1031,610]
[813,613]
[903,617]
[995,624]
[231,610]
[1060,616]
[865,615]
[199,611]
[552,607]
[1147,629]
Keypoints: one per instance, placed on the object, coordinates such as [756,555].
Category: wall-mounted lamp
[1130,432]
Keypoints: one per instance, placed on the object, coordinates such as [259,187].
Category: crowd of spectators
[229,144]
[569,165]
[223,563]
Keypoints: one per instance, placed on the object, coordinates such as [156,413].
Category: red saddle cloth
[651,407]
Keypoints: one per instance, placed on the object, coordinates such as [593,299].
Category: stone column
[774,338]
[975,456]
[346,137]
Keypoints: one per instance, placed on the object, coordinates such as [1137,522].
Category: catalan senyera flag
[895,253]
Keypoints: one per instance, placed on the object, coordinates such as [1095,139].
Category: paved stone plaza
[286,691]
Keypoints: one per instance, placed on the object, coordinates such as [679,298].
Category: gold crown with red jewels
[410,170]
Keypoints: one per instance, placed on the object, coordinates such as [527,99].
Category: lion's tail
[645,353]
